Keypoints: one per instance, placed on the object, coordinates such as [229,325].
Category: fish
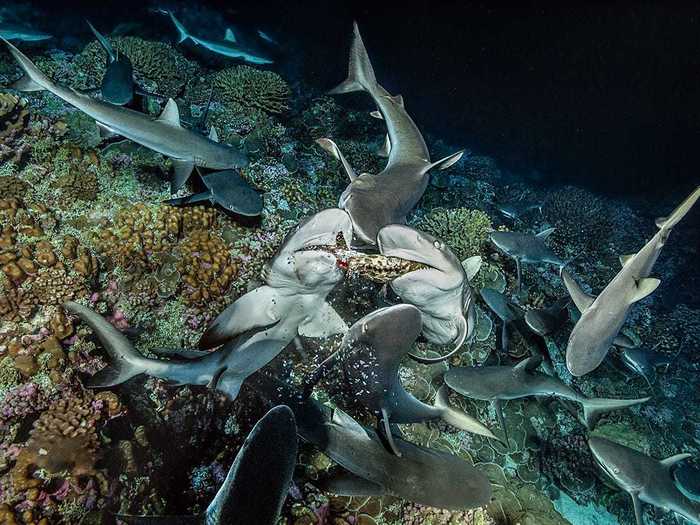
[546,321]
[602,317]
[246,496]
[526,248]
[118,82]
[255,328]
[502,382]
[644,478]
[164,134]
[441,292]
[421,475]
[507,312]
[229,47]
[517,209]
[13,31]
[227,189]
[644,362]
[374,347]
[376,200]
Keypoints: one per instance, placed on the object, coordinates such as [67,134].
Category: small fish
[644,478]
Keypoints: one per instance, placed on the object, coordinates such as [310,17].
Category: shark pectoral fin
[638,511]
[230,35]
[457,418]
[342,419]
[545,233]
[624,259]
[182,169]
[446,162]
[376,114]
[213,135]
[105,131]
[189,199]
[645,287]
[472,265]
[324,323]
[332,148]
[385,150]
[498,408]
[504,338]
[346,483]
[103,42]
[384,432]
[170,114]
[581,299]
[518,271]
[671,462]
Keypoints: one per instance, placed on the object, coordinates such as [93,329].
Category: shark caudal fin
[666,223]
[34,79]
[103,42]
[184,35]
[593,408]
[126,362]
[457,418]
[360,73]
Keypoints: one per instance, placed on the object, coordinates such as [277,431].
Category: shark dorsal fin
[170,114]
[581,299]
[644,287]
[342,419]
[230,36]
[213,135]
[670,462]
[624,259]
[376,114]
[472,265]
[528,365]
[545,233]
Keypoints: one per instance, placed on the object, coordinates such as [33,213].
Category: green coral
[465,231]
[250,88]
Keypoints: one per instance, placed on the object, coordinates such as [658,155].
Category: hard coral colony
[131,328]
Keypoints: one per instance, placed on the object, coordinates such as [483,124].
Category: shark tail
[666,223]
[457,418]
[593,408]
[34,79]
[184,35]
[360,72]
[126,362]
[103,42]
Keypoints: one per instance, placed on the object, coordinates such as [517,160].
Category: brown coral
[13,115]
[251,88]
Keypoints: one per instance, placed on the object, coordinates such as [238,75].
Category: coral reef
[464,231]
[250,88]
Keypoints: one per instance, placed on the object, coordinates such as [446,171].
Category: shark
[602,317]
[255,328]
[164,134]
[644,478]
[509,313]
[687,478]
[13,31]
[374,347]
[245,496]
[421,475]
[441,291]
[376,200]
[518,209]
[546,321]
[229,47]
[525,248]
[644,361]
[118,82]
[502,382]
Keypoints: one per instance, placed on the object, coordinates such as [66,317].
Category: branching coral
[464,231]
[251,88]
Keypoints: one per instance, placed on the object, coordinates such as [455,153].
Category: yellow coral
[251,88]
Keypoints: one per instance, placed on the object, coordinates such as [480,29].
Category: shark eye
[439,245]
[364,328]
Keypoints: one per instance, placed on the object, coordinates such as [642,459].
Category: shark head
[390,329]
[526,247]
[617,462]
[441,292]
[302,269]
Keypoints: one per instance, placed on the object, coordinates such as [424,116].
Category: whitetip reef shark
[371,352]
[441,292]
[526,248]
[246,496]
[518,209]
[164,134]
[117,85]
[373,201]
[256,327]
[421,475]
[602,317]
[14,31]
[499,383]
[229,47]
[644,478]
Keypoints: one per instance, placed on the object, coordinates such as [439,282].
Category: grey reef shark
[229,47]
[643,361]
[509,313]
[376,200]
[117,86]
[526,248]
[164,134]
[645,479]
[602,317]
[441,291]
[257,482]
[421,475]
[255,328]
[371,353]
[546,321]
[500,383]
[13,31]
[517,209]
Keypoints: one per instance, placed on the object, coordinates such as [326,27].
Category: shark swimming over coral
[164,134]
[374,201]
[14,31]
